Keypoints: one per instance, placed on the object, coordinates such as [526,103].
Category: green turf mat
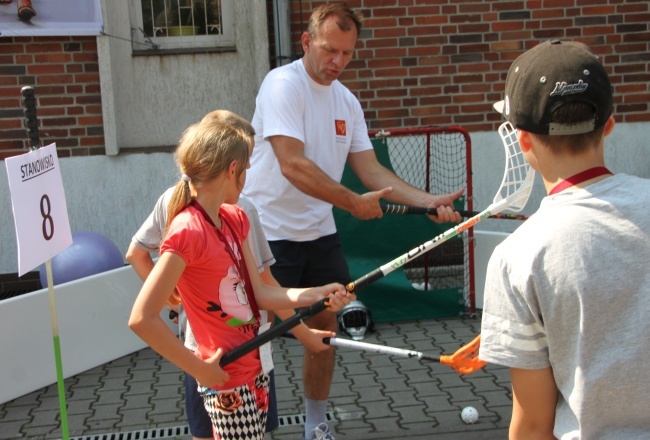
[372,243]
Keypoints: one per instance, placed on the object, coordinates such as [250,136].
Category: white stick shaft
[375,348]
[400,261]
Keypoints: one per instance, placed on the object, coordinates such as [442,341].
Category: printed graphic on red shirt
[232,296]
[340,127]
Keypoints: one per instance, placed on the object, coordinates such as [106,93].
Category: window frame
[142,44]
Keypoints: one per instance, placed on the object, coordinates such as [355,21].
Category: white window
[182,24]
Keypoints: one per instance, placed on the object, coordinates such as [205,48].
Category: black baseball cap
[549,75]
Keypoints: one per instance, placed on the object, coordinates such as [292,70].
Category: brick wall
[419,63]
[441,62]
[65,75]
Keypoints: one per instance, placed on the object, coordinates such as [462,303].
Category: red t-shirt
[211,288]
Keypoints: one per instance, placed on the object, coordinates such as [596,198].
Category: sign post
[41,219]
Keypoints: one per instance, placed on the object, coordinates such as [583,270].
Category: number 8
[47,218]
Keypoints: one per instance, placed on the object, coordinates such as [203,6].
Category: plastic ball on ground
[469,415]
[90,253]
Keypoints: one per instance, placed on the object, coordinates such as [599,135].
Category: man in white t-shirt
[307,126]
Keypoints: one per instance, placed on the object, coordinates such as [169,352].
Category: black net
[436,160]
[437,284]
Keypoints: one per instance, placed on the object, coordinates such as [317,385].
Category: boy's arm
[142,263]
[534,398]
[140,259]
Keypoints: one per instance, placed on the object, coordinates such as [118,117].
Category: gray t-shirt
[150,235]
[570,289]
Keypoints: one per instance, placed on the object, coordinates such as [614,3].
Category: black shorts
[309,263]
[197,416]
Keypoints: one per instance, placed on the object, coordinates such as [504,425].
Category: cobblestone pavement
[373,396]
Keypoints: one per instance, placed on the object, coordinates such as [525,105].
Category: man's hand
[445,207]
[367,205]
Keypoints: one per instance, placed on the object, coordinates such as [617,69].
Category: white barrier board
[485,241]
[93,314]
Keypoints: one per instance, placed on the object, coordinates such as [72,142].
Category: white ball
[469,415]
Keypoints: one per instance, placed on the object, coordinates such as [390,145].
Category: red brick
[52,58]
[547,13]
[74,68]
[427,20]
[390,32]
[43,48]
[92,140]
[639,97]
[599,10]
[508,26]
[84,57]
[627,7]
[56,101]
[559,23]
[508,6]
[90,120]
[10,123]
[11,48]
[40,69]
[86,78]
[598,30]
[54,79]
[641,117]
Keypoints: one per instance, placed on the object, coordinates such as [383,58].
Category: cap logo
[562,88]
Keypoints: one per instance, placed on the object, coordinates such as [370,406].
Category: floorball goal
[439,283]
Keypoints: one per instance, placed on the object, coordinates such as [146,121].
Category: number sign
[38,202]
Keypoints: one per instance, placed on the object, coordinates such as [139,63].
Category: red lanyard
[579,178]
[239,262]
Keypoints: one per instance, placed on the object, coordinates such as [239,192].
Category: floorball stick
[464,360]
[512,195]
[403,209]
[273,332]
[31,122]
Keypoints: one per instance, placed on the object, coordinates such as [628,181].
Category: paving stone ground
[373,396]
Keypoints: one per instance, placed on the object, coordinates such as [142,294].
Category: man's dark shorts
[309,263]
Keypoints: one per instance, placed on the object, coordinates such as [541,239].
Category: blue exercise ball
[90,253]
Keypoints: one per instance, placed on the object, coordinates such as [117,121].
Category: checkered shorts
[239,413]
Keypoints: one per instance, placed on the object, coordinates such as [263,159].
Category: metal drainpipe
[281,16]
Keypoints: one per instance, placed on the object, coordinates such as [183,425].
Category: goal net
[437,160]
[439,283]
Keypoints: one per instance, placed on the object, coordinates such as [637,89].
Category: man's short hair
[346,17]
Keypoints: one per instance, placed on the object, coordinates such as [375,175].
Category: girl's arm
[146,322]
[312,339]
[278,298]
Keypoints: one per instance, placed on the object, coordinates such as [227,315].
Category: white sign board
[40,210]
[53,18]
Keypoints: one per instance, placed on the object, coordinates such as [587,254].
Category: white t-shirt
[570,289]
[329,121]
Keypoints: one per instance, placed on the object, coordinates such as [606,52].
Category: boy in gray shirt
[567,295]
